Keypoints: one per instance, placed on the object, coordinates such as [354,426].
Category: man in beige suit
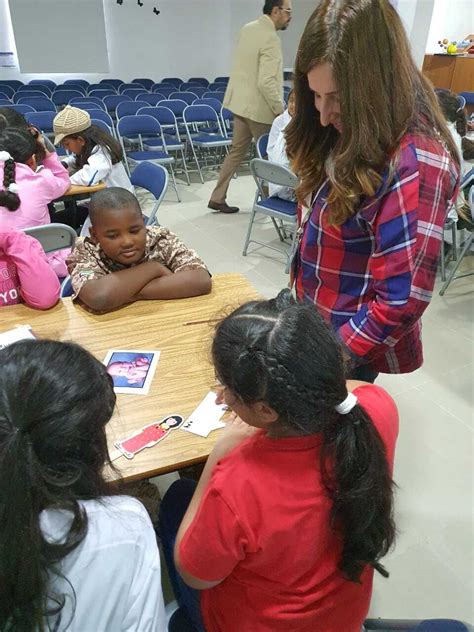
[255,91]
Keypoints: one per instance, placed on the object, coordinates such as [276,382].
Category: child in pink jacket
[26,192]
[25,275]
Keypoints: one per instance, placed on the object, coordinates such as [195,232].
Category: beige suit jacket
[255,89]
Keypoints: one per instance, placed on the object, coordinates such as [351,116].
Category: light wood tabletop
[77,189]
[182,330]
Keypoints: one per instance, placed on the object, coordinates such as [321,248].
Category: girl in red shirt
[294,509]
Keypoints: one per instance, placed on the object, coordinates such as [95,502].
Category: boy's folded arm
[121,287]
[182,284]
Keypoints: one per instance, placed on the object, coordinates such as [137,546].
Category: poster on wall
[7,59]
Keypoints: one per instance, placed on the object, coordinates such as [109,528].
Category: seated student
[124,261]
[28,189]
[73,555]
[11,118]
[95,155]
[456,120]
[25,275]
[276,148]
[294,509]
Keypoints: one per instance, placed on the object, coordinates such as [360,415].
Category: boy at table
[125,261]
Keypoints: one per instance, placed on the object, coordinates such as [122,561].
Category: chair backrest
[81,82]
[66,287]
[138,124]
[146,83]
[36,88]
[462,102]
[101,92]
[127,86]
[188,85]
[42,120]
[164,88]
[85,102]
[150,98]
[217,87]
[174,81]
[19,107]
[7,91]
[153,178]
[262,144]
[265,171]
[113,100]
[198,91]
[163,115]
[102,85]
[200,114]
[214,103]
[43,82]
[100,115]
[72,86]
[113,83]
[10,85]
[127,108]
[103,125]
[200,81]
[62,97]
[4,102]
[222,80]
[28,93]
[53,236]
[471,202]
[177,106]
[40,104]
[133,93]
[187,97]
[468,96]
[214,95]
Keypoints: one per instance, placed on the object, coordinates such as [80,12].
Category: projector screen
[60,36]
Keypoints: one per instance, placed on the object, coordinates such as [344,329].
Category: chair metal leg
[174,183]
[197,163]
[278,229]
[443,261]
[454,230]
[185,167]
[451,277]
[249,230]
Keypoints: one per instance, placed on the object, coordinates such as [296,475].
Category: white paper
[206,416]
[14,335]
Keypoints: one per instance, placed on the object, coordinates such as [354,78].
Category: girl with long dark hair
[73,556]
[294,509]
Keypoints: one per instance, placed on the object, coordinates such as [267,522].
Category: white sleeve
[98,167]
[145,608]
[277,125]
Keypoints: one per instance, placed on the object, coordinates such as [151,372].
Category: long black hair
[11,118]
[284,354]
[21,145]
[93,136]
[55,400]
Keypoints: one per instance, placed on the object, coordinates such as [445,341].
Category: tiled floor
[431,568]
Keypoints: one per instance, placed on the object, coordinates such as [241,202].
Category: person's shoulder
[121,514]
[424,148]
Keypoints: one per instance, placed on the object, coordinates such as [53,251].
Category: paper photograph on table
[132,371]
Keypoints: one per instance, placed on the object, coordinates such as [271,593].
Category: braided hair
[284,354]
[21,146]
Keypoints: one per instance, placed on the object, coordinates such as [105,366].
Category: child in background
[11,118]
[297,494]
[456,120]
[74,555]
[276,148]
[124,261]
[25,275]
[96,155]
[27,189]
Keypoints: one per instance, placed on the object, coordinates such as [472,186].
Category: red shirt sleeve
[215,541]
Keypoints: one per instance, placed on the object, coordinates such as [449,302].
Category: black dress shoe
[223,207]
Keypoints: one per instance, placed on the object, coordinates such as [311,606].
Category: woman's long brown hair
[382,95]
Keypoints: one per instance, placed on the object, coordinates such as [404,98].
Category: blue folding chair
[113,83]
[200,81]
[81,82]
[101,93]
[146,83]
[13,84]
[133,93]
[174,81]
[102,85]
[22,109]
[127,108]
[150,98]
[127,86]
[113,100]
[7,92]
[41,120]
[214,95]
[153,178]
[36,88]
[164,88]
[169,127]
[40,104]
[187,97]
[140,127]
[43,82]
[63,97]
[66,288]
[265,172]
[197,120]
[87,102]
[102,124]
[188,85]
[100,115]
[4,101]
[217,87]
[222,80]
[72,86]
[262,144]
[28,93]
[198,91]
[53,236]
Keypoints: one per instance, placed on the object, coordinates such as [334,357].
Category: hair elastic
[13,188]
[4,156]
[347,405]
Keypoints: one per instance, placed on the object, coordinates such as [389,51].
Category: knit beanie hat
[70,121]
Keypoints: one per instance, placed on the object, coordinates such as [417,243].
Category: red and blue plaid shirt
[372,277]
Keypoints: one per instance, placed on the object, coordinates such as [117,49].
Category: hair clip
[4,155]
[13,188]
[347,405]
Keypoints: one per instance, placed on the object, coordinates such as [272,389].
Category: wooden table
[184,374]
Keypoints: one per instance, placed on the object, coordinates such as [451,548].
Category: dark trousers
[364,372]
[172,509]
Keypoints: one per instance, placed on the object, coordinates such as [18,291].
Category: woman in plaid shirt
[378,173]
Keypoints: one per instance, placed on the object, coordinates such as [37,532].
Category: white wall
[451,20]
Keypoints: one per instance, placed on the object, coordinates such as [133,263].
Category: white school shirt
[99,168]
[115,571]
[276,152]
